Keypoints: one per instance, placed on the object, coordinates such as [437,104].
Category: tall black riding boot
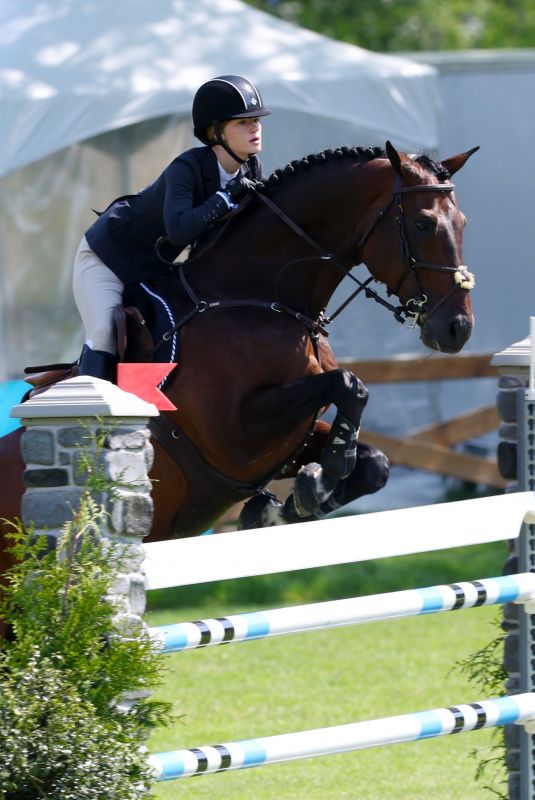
[98,364]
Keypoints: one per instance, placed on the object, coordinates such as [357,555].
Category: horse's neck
[262,256]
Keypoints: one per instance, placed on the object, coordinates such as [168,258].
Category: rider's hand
[239,187]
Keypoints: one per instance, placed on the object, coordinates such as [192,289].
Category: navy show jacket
[176,206]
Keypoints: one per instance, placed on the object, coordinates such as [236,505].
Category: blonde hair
[210,131]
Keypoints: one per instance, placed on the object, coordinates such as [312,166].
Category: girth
[206,483]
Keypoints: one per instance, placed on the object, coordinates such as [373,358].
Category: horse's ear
[393,157]
[455,163]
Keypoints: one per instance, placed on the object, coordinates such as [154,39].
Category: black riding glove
[239,187]
[214,208]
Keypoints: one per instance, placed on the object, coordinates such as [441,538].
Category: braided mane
[359,154]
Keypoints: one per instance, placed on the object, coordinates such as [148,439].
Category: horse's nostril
[460,329]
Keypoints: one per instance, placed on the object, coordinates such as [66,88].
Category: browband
[426,187]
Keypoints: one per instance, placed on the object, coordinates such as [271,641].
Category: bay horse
[256,370]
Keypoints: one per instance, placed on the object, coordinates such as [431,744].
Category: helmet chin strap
[219,140]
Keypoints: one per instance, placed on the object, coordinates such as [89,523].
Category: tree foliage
[414,25]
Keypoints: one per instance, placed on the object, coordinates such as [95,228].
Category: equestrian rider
[193,192]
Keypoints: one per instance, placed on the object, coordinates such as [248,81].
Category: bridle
[415,306]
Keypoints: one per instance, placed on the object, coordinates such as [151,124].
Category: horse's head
[419,254]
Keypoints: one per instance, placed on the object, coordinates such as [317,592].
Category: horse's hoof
[261,511]
[311,489]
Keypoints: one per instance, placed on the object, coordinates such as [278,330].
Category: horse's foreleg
[316,482]
[369,474]
[338,386]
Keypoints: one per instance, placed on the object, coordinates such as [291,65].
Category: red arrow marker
[143,379]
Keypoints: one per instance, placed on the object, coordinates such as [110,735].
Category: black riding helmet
[222,98]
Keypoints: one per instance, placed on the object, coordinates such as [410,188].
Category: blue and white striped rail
[355,610]
[342,540]
[343,738]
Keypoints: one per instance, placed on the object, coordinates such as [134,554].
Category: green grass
[324,678]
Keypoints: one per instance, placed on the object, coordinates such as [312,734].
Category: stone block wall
[54,484]
[519,627]
[508,387]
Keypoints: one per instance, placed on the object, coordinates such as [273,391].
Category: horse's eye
[422,224]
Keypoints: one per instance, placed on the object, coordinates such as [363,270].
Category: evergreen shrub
[65,670]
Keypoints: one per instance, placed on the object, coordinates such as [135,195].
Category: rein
[314,327]
[371,294]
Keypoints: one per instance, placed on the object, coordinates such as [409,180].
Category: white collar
[225,176]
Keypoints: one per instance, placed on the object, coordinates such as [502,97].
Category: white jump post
[516,459]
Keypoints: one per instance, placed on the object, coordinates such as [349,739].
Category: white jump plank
[336,541]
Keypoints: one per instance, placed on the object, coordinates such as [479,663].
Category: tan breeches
[97,290]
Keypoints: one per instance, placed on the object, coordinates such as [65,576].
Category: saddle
[140,324]
[140,339]
[134,344]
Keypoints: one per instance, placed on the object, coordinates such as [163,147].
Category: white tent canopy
[73,69]
[95,100]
